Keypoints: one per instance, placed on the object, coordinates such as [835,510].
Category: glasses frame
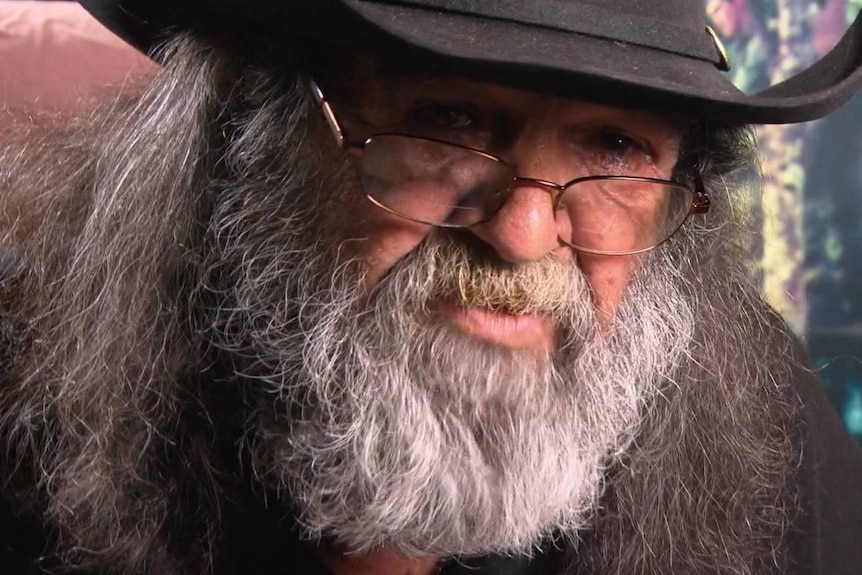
[700,201]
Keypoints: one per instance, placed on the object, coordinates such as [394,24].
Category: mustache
[461,270]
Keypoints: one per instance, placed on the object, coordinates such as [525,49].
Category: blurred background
[809,263]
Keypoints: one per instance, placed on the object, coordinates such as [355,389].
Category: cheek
[615,216]
[364,231]
[388,240]
[378,239]
[608,277]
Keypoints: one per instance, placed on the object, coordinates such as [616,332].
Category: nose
[525,228]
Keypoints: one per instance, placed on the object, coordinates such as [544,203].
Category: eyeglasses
[447,185]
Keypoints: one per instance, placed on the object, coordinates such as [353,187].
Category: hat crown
[629,53]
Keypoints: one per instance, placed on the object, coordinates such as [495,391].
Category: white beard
[398,430]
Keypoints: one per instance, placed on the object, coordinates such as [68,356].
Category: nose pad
[525,228]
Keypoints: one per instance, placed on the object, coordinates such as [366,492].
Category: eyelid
[645,144]
[480,119]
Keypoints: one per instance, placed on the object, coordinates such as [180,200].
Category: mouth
[516,331]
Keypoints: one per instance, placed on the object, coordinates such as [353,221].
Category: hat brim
[506,52]
[617,73]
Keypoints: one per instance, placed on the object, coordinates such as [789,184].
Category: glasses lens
[618,215]
[433,182]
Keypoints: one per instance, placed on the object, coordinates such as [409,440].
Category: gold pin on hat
[723,61]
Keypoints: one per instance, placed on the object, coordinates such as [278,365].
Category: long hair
[708,486]
[105,218]
[111,378]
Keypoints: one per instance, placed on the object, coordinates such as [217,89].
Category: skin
[545,137]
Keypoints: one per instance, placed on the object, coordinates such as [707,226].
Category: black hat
[633,53]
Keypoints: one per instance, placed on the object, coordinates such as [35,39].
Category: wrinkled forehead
[375,82]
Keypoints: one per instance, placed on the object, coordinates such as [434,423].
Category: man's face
[543,137]
[457,391]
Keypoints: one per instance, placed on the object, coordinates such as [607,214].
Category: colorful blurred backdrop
[810,261]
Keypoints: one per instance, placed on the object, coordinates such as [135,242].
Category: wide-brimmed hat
[634,53]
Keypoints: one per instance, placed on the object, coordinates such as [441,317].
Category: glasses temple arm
[331,120]
[701,202]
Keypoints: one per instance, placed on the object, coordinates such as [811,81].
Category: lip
[514,331]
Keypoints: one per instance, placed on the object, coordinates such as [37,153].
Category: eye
[616,142]
[612,150]
[443,117]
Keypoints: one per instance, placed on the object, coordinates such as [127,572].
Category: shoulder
[22,538]
[22,544]
[13,333]
[828,537]
[23,541]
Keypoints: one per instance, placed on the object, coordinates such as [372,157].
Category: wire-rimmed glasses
[448,185]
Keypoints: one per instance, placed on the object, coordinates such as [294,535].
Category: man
[415,287]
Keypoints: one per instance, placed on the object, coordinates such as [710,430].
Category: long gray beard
[388,427]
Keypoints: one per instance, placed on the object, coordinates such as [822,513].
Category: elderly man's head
[464,345]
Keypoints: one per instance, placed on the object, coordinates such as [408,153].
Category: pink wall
[54,56]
